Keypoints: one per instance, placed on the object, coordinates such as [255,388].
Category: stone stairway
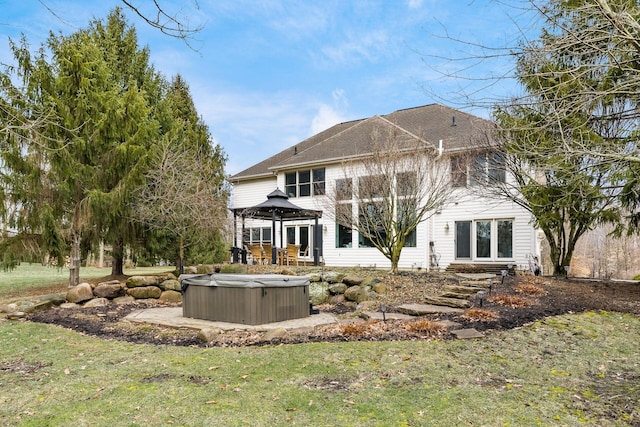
[453,299]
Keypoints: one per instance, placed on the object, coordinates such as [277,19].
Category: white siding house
[469,230]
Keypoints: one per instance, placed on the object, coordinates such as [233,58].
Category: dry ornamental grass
[425,326]
[530,289]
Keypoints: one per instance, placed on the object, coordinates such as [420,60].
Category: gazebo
[278,207]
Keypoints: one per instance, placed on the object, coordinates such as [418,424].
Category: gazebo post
[316,250]
[273,237]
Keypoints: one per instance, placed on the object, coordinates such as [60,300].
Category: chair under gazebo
[277,207]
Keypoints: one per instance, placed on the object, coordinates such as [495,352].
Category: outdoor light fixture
[446,227]
[490,282]
[504,274]
[383,308]
[481,297]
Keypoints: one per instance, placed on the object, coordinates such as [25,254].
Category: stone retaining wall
[163,287]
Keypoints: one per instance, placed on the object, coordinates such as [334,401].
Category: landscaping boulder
[318,292]
[356,294]
[352,280]
[274,333]
[110,282]
[209,334]
[190,270]
[141,281]
[127,299]
[170,285]
[337,288]
[314,277]
[379,288]
[69,305]
[337,299]
[96,302]
[39,306]
[109,290]
[145,292]
[79,293]
[8,308]
[171,297]
[332,276]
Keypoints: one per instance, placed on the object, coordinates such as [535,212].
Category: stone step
[449,302]
[424,309]
[455,295]
[377,315]
[470,290]
[484,284]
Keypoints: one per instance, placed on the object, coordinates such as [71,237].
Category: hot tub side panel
[248,306]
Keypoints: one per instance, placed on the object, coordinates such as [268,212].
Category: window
[483,239]
[458,171]
[318,182]
[260,235]
[344,189]
[463,239]
[304,183]
[371,227]
[301,183]
[481,169]
[406,183]
[407,209]
[497,171]
[303,234]
[505,238]
[373,187]
[266,235]
[291,184]
[344,233]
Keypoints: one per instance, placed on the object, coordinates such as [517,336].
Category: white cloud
[324,119]
[368,47]
[415,4]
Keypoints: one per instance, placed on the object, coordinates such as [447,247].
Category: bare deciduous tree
[385,194]
[182,195]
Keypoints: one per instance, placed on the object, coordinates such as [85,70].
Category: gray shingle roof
[429,123]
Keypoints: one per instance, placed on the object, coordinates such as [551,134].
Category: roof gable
[427,124]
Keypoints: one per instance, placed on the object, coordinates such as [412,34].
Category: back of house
[472,230]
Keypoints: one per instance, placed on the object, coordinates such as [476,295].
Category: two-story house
[469,229]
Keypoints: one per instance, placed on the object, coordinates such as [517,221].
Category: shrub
[512,301]
[355,329]
[531,290]
[234,269]
[425,326]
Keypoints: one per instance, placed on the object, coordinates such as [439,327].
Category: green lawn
[34,276]
[568,371]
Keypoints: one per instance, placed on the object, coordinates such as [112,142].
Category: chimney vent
[453,121]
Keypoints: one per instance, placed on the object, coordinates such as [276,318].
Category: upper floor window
[479,169]
[344,189]
[303,183]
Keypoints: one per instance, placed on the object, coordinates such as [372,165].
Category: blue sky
[267,74]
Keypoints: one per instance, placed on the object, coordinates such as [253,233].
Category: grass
[568,370]
[34,277]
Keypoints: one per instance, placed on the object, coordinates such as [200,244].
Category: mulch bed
[561,296]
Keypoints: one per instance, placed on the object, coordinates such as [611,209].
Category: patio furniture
[292,254]
[257,254]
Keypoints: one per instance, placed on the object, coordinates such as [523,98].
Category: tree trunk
[74,260]
[180,266]
[117,252]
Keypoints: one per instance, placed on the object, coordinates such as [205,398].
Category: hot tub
[249,299]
